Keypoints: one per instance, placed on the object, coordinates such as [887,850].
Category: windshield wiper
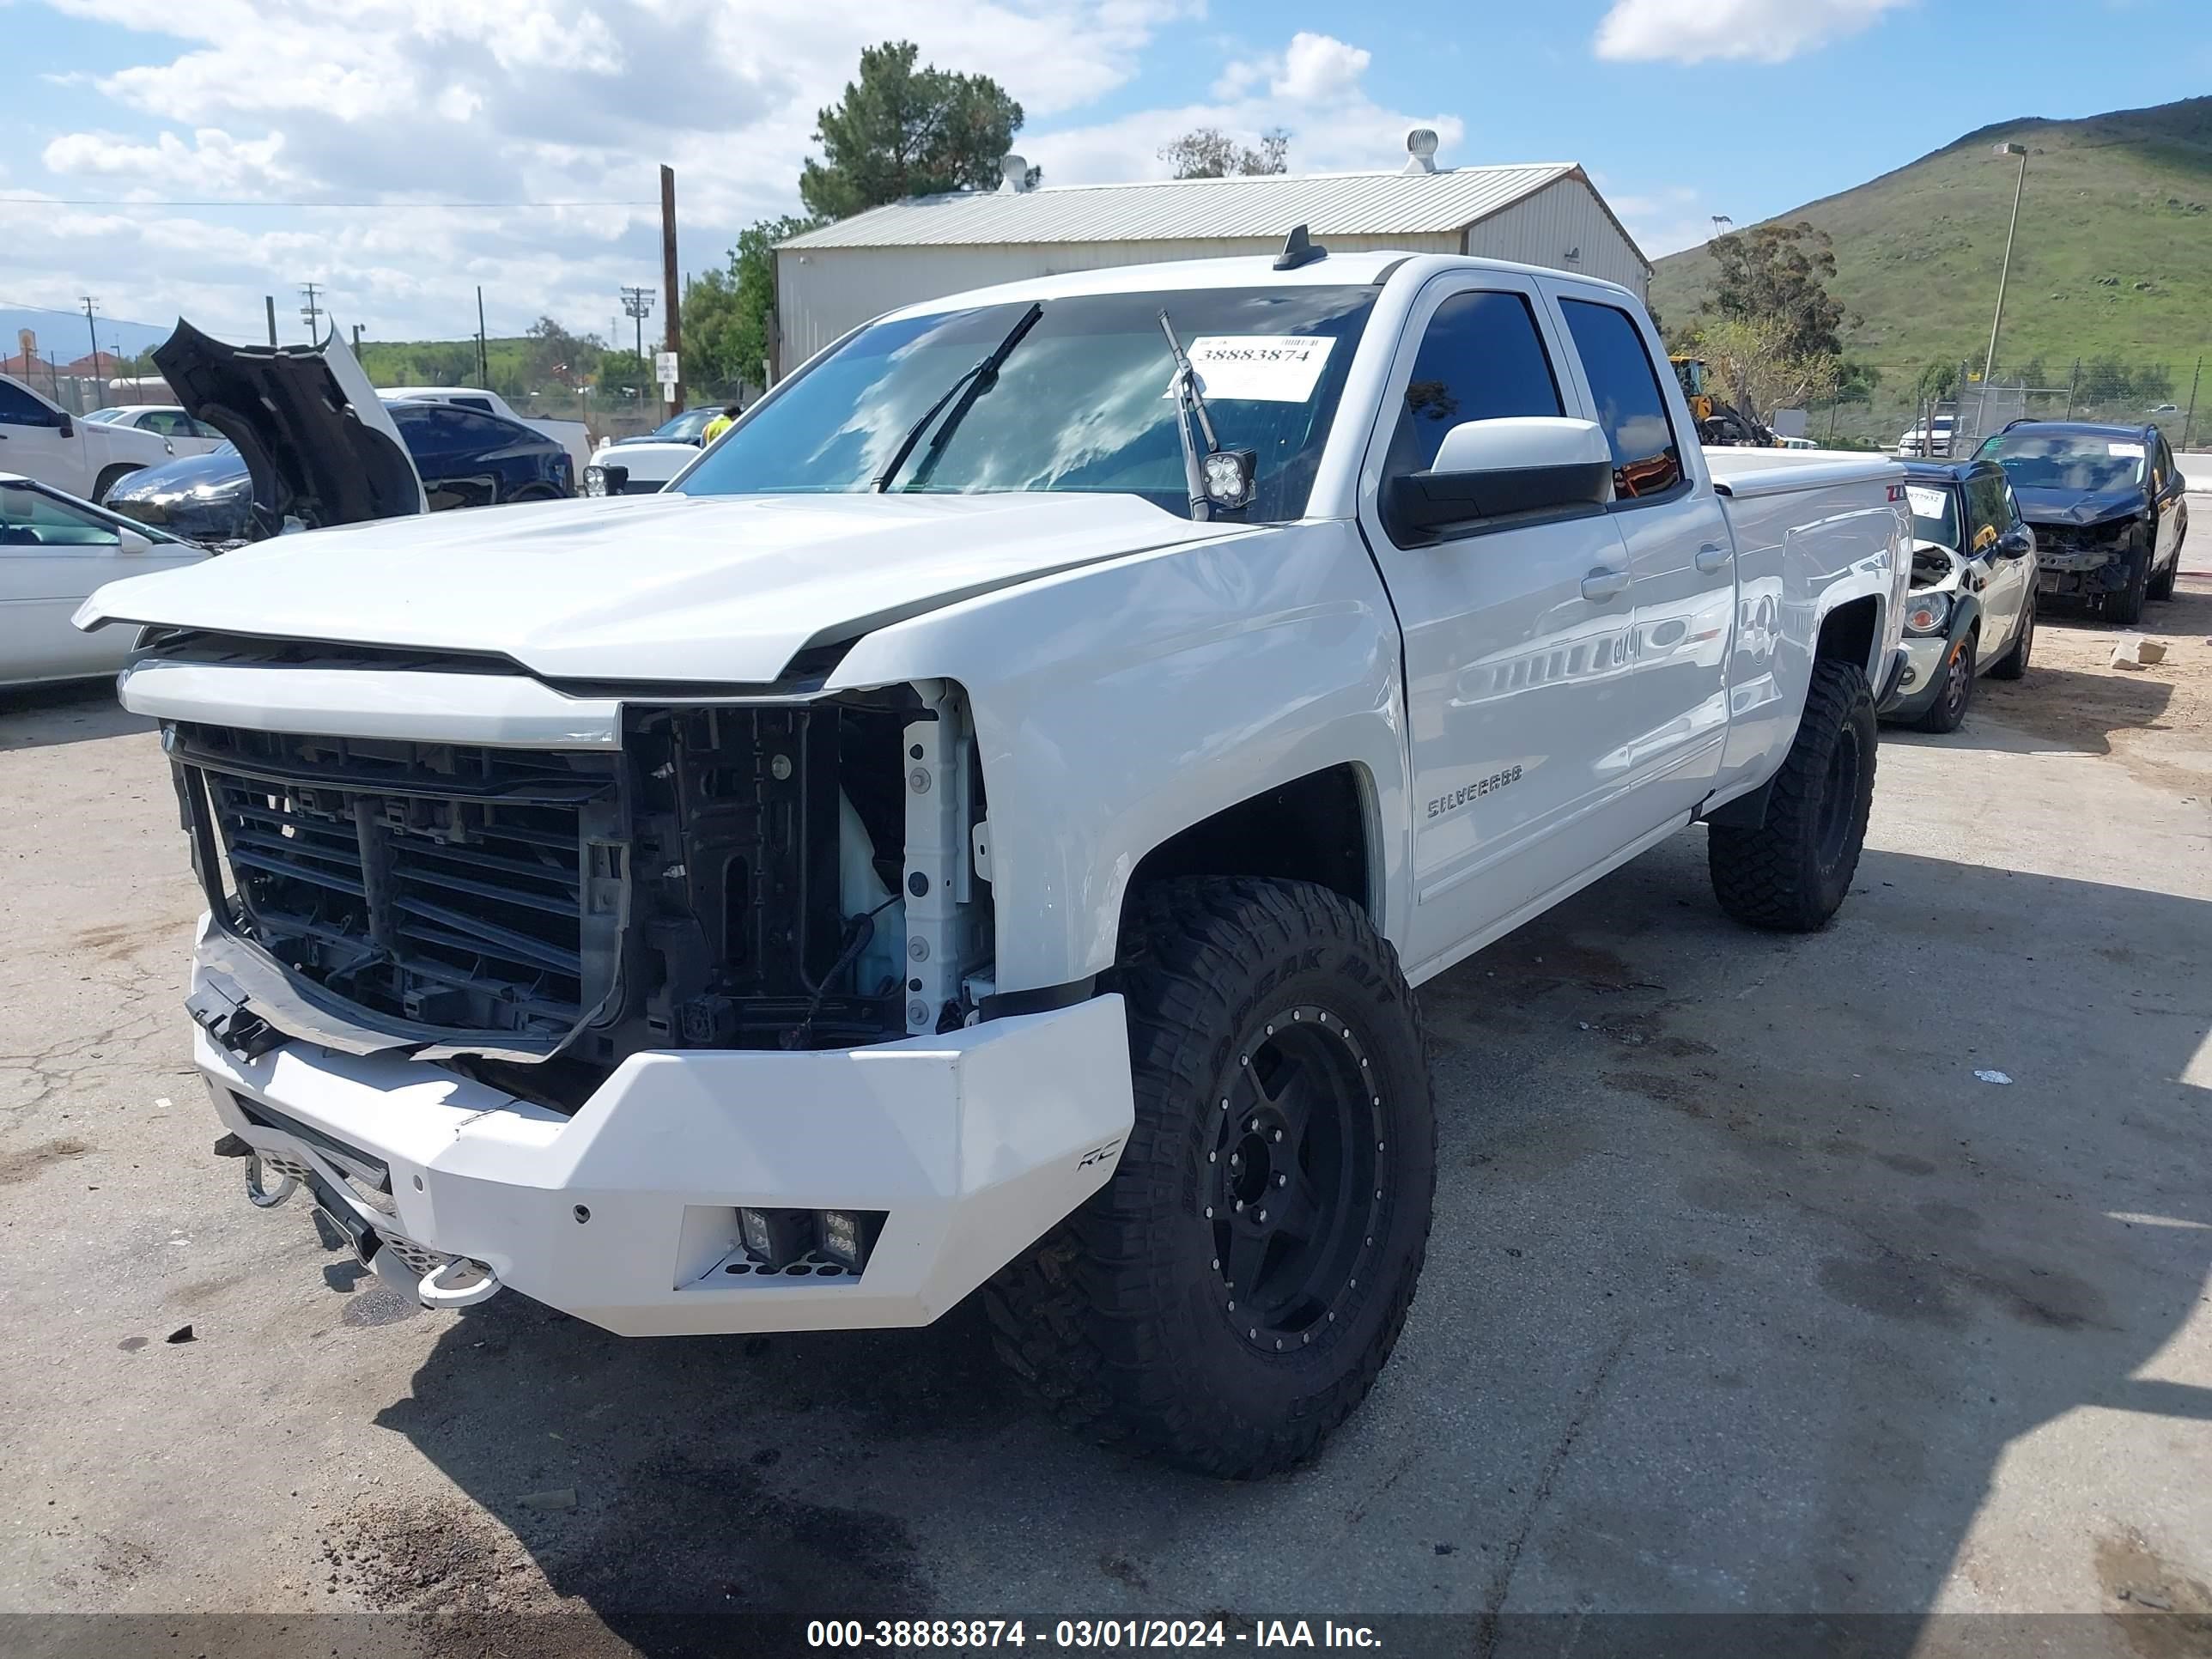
[1191,401]
[975,381]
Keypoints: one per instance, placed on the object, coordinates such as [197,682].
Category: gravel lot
[1744,1295]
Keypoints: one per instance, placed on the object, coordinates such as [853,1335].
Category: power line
[392,207]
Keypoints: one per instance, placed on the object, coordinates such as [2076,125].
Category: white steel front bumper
[974,1143]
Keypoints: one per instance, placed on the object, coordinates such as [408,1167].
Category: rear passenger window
[1646,458]
[1481,360]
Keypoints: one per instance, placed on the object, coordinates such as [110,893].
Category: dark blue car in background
[466,458]
[2107,506]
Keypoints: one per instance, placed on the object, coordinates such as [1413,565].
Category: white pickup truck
[82,457]
[982,826]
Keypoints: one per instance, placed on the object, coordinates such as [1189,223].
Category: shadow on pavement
[35,716]
[1741,1287]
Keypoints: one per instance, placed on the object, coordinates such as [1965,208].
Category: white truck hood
[711,589]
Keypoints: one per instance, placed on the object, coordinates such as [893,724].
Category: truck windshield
[1080,403]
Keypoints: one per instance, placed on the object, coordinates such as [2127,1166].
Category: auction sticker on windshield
[1926,504]
[1260,368]
[2122,451]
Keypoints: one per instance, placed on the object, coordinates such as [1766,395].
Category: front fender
[1118,703]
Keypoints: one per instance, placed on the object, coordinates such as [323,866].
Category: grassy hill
[2114,257]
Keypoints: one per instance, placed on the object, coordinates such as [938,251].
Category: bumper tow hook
[264,1196]
[435,1292]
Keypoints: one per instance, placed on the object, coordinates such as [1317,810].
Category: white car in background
[55,549]
[41,439]
[186,436]
[643,464]
[1930,439]
[571,435]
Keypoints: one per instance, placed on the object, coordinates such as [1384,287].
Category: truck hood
[315,437]
[711,589]
[2073,508]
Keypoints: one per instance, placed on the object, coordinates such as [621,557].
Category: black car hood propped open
[318,443]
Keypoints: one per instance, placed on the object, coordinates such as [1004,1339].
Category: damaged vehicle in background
[2108,506]
[1971,608]
[329,450]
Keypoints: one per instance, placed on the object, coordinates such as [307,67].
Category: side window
[1481,359]
[1646,458]
[1990,509]
[31,517]
[200,430]
[163,421]
[483,403]
[19,408]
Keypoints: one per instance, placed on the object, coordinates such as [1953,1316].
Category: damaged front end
[2086,561]
[794,872]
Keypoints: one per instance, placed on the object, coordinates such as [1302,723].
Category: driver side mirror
[1500,469]
[2016,543]
[69,426]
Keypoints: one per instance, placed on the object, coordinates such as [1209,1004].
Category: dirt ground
[1747,1294]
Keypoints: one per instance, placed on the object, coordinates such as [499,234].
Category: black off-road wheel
[1791,873]
[1230,1294]
[1948,711]
[2013,663]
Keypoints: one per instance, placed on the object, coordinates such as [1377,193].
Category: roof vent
[1013,174]
[1421,150]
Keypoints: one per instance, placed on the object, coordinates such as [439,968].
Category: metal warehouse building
[830,280]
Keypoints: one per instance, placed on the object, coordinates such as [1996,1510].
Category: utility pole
[270,300]
[668,274]
[2188,421]
[311,310]
[97,372]
[2073,387]
[484,364]
[2020,186]
[356,339]
[637,303]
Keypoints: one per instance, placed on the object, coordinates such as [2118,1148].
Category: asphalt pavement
[1749,1291]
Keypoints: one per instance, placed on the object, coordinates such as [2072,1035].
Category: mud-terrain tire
[2014,663]
[2161,584]
[1948,712]
[2124,605]
[1791,873]
[1278,1061]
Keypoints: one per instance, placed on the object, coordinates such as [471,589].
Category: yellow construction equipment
[1717,422]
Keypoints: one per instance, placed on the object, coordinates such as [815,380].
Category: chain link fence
[1902,409]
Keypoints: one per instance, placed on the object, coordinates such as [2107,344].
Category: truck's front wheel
[1791,872]
[1228,1297]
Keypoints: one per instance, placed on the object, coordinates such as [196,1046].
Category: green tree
[728,314]
[902,131]
[1776,277]
[554,356]
[1938,379]
[1210,153]
[2106,379]
[624,371]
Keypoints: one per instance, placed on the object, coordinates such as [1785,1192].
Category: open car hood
[2076,506]
[317,439]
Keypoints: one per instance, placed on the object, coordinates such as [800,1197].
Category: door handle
[1602,584]
[1710,558]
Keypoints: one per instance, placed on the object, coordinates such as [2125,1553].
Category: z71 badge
[1489,785]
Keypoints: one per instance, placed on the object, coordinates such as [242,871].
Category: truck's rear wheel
[1228,1297]
[1791,873]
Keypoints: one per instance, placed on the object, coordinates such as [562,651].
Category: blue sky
[1680,108]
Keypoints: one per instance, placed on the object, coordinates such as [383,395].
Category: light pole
[1990,362]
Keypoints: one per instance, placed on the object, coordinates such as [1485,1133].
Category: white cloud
[1314,88]
[345,100]
[1767,31]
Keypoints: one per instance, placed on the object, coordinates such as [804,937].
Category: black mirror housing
[69,426]
[1423,504]
[2016,543]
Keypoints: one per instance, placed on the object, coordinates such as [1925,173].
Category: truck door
[33,442]
[1681,559]
[1517,635]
